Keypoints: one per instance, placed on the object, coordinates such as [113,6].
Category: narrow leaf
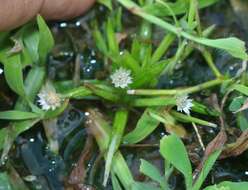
[46,42]
[18,115]
[207,166]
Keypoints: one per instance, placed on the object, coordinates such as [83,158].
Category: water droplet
[38,186]
[53,162]
[30,178]
[78,23]
[50,169]
[63,25]
[162,134]
[93,61]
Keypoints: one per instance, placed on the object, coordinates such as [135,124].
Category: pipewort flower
[48,98]
[121,78]
[184,104]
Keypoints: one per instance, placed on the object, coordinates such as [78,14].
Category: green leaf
[179,7]
[31,41]
[227,185]
[152,172]
[115,183]
[111,36]
[18,115]
[207,166]
[233,46]
[99,40]
[13,74]
[204,109]
[242,121]
[5,182]
[240,88]
[145,126]
[174,151]
[119,125]
[46,41]
[143,186]
[236,103]
[16,129]
[107,3]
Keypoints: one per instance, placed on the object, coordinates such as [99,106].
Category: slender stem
[209,59]
[168,92]
[187,118]
[161,101]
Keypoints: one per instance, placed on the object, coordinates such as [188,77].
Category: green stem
[186,118]
[161,101]
[170,92]
[209,59]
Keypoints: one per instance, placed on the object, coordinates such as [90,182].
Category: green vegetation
[133,74]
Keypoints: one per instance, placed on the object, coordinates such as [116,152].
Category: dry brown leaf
[216,144]
[78,174]
[236,148]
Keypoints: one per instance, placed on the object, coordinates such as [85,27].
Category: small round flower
[1,71]
[184,104]
[48,98]
[121,78]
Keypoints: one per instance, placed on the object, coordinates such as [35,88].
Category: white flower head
[121,78]
[184,104]
[48,98]
[1,71]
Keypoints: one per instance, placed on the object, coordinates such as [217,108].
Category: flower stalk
[171,92]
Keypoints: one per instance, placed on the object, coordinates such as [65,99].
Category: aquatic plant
[132,72]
